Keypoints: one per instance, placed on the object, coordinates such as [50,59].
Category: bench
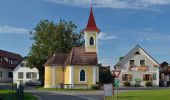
[76,86]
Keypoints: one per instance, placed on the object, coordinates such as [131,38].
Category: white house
[23,74]
[138,65]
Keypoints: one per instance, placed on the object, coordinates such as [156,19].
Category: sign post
[116,85]
[108,90]
[116,74]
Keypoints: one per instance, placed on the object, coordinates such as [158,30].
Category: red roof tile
[56,60]
[91,25]
[77,56]
[9,55]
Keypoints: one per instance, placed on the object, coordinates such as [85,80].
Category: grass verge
[7,95]
[143,95]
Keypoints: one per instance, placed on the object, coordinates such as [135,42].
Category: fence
[14,95]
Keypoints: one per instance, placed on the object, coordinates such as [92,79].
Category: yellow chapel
[80,66]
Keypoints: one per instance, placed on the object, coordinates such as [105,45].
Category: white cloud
[130,4]
[154,37]
[16,30]
[104,36]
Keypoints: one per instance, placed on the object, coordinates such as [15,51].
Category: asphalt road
[55,96]
[49,95]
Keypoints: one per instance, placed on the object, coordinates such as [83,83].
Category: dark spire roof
[91,25]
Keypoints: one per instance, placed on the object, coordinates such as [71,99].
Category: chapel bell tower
[91,34]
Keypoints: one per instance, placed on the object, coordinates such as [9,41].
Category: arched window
[91,41]
[82,75]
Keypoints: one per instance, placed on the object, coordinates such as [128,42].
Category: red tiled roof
[91,25]
[9,55]
[77,56]
[56,60]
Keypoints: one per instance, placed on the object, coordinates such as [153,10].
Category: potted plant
[137,82]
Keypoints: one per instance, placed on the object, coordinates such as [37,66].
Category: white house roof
[138,48]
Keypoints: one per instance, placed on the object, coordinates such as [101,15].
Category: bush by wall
[95,87]
[127,84]
[148,84]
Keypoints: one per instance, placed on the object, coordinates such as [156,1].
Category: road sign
[116,82]
[108,89]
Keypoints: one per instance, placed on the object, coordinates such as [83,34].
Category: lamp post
[116,73]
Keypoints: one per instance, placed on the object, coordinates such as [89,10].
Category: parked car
[33,83]
[161,83]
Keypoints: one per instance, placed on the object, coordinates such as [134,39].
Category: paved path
[92,95]
[53,95]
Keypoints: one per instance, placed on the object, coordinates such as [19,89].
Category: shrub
[127,84]
[148,84]
[95,87]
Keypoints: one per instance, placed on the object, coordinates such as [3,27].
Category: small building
[138,65]
[8,61]
[79,67]
[23,74]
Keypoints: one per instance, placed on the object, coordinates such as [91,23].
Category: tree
[164,68]
[49,38]
[164,65]
[105,76]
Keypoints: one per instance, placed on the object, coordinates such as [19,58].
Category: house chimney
[121,58]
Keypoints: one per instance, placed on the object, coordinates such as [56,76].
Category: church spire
[91,25]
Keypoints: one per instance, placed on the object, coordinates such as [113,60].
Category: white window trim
[85,75]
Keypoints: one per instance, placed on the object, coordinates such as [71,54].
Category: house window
[127,77]
[147,77]
[91,41]
[34,75]
[1,59]
[22,64]
[20,75]
[142,62]
[132,62]
[10,75]
[154,76]
[0,73]
[28,75]
[82,75]
[137,53]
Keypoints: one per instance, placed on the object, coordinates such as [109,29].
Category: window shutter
[154,76]
[131,77]
[123,77]
[128,77]
[150,78]
[144,78]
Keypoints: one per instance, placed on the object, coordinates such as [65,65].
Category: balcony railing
[138,68]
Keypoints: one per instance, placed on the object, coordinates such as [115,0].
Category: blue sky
[123,24]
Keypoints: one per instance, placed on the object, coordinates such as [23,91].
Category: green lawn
[143,95]
[8,93]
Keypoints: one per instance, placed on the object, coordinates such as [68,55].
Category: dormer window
[91,41]
[137,53]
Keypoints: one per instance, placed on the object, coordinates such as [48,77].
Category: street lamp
[116,73]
